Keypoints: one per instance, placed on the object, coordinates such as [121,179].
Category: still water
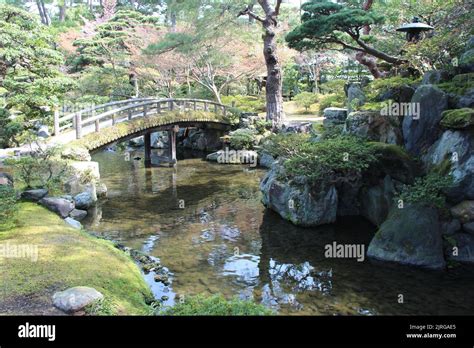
[206,224]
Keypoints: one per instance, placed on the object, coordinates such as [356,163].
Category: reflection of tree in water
[286,280]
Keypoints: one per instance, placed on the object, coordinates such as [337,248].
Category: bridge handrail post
[79,125]
[145,110]
[97,122]
[57,129]
[206,106]
[158,107]
[171,104]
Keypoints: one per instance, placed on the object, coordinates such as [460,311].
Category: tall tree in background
[274,71]
[328,25]
[43,12]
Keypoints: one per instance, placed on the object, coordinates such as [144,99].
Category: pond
[206,224]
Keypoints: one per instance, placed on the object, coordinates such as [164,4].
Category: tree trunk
[274,76]
[274,83]
[42,12]
[362,57]
[62,11]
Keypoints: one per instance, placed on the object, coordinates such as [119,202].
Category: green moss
[107,135]
[443,168]
[374,106]
[380,86]
[215,305]
[458,118]
[394,160]
[390,151]
[459,85]
[67,258]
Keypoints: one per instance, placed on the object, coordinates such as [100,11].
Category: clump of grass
[215,305]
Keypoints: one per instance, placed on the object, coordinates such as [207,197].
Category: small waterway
[206,224]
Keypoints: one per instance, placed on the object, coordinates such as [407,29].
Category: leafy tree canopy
[327,25]
[30,76]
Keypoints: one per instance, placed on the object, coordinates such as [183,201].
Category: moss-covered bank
[66,258]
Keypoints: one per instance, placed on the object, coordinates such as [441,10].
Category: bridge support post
[57,130]
[78,125]
[172,145]
[147,138]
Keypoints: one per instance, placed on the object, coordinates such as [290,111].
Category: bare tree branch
[247,11]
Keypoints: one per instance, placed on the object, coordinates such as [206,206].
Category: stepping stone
[75,299]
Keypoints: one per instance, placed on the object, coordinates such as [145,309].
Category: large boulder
[34,195]
[373,126]
[60,206]
[422,131]
[393,160]
[454,153]
[6,179]
[463,211]
[78,214]
[73,223]
[297,127]
[433,77]
[334,116]
[355,96]
[76,299]
[234,157]
[76,154]
[299,203]
[463,248]
[466,61]
[159,140]
[466,100]
[85,177]
[204,139]
[409,236]
[266,160]
[400,94]
[137,142]
[376,201]
[86,199]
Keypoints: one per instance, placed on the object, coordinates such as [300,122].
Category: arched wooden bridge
[98,126]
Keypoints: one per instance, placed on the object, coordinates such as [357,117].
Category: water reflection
[224,241]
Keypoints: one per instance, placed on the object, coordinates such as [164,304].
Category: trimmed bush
[242,139]
[306,99]
[427,190]
[245,103]
[8,202]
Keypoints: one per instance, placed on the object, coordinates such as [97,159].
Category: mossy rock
[395,161]
[459,85]
[458,118]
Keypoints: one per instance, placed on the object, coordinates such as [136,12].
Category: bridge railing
[109,114]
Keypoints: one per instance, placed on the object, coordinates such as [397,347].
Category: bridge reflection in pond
[224,241]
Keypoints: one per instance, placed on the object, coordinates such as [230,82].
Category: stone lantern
[414,30]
